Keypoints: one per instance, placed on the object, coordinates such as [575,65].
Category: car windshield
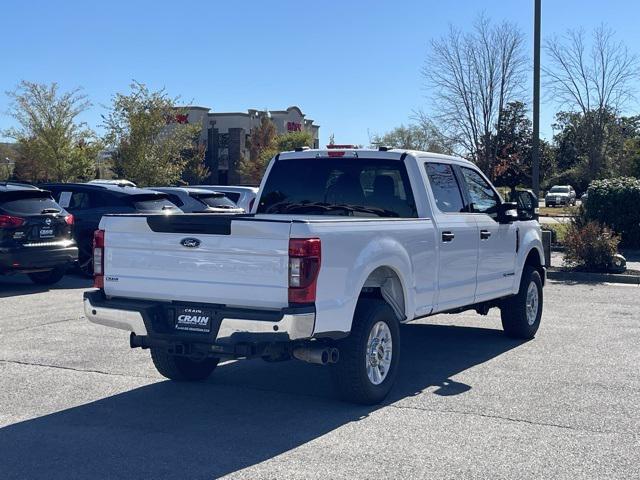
[215,200]
[559,190]
[339,186]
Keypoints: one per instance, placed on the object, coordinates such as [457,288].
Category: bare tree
[596,82]
[472,76]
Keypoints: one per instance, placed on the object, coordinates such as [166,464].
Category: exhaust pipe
[317,355]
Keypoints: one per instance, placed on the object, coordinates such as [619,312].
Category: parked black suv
[35,234]
[88,202]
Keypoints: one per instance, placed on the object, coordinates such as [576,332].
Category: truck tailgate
[197,258]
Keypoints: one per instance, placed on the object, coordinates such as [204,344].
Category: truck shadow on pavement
[248,412]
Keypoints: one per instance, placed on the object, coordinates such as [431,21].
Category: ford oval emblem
[190,242]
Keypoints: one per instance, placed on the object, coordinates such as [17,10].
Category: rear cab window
[339,186]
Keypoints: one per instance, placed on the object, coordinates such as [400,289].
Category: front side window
[339,186]
[444,185]
[483,198]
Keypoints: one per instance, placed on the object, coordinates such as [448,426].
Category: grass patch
[559,211]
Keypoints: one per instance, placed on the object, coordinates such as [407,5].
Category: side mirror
[507,212]
[527,205]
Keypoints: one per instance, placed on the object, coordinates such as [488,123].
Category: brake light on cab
[98,259]
[304,267]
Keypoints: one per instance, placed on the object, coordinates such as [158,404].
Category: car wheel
[521,313]
[49,277]
[182,369]
[369,356]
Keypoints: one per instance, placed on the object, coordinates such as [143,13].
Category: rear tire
[369,356]
[521,313]
[49,277]
[182,369]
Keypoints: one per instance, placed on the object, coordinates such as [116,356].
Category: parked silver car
[560,195]
[199,200]
[244,197]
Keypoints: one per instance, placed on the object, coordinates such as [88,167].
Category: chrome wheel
[379,352]
[532,303]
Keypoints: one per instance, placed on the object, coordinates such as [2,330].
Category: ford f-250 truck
[342,246]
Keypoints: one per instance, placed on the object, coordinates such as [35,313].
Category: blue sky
[353,66]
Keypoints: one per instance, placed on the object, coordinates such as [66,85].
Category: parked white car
[345,246]
[199,200]
[560,195]
[244,197]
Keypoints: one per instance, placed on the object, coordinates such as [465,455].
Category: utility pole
[535,154]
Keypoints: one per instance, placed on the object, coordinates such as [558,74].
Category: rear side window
[339,186]
[218,201]
[145,203]
[175,199]
[28,205]
[233,196]
[445,187]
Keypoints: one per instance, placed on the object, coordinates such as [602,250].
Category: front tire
[521,313]
[369,356]
[49,277]
[182,369]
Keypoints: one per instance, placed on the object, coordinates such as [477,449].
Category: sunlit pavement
[76,402]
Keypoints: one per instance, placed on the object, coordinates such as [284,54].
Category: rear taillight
[69,219]
[304,266]
[98,259]
[8,221]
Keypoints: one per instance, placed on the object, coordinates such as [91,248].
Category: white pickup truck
[342,246]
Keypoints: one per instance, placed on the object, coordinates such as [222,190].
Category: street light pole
[535,154]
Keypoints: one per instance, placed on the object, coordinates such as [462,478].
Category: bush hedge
[590,247]
[615,202]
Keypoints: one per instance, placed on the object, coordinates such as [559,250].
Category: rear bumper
[28,259]
[230,326]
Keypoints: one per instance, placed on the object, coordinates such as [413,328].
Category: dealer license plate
[193,319]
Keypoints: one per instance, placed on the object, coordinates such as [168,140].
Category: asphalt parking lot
[76,402]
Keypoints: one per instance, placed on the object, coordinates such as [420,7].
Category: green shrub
[558,231]
[590,246]
[615,202]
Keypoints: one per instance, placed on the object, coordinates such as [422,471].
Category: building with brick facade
[225,135]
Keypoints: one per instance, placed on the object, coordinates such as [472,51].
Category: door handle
[484,234]
[447,236]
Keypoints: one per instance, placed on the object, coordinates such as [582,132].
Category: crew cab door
[497,241]
[457,238]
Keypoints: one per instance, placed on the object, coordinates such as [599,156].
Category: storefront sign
[294,127]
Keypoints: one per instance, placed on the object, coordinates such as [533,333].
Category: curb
[593,277]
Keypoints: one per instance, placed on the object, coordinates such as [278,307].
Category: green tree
[195,170]
[422,135]
[262,147]
[149,144]
[292,140]
[513,147]
[53,144]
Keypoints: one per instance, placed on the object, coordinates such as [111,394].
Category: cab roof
[381,152]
